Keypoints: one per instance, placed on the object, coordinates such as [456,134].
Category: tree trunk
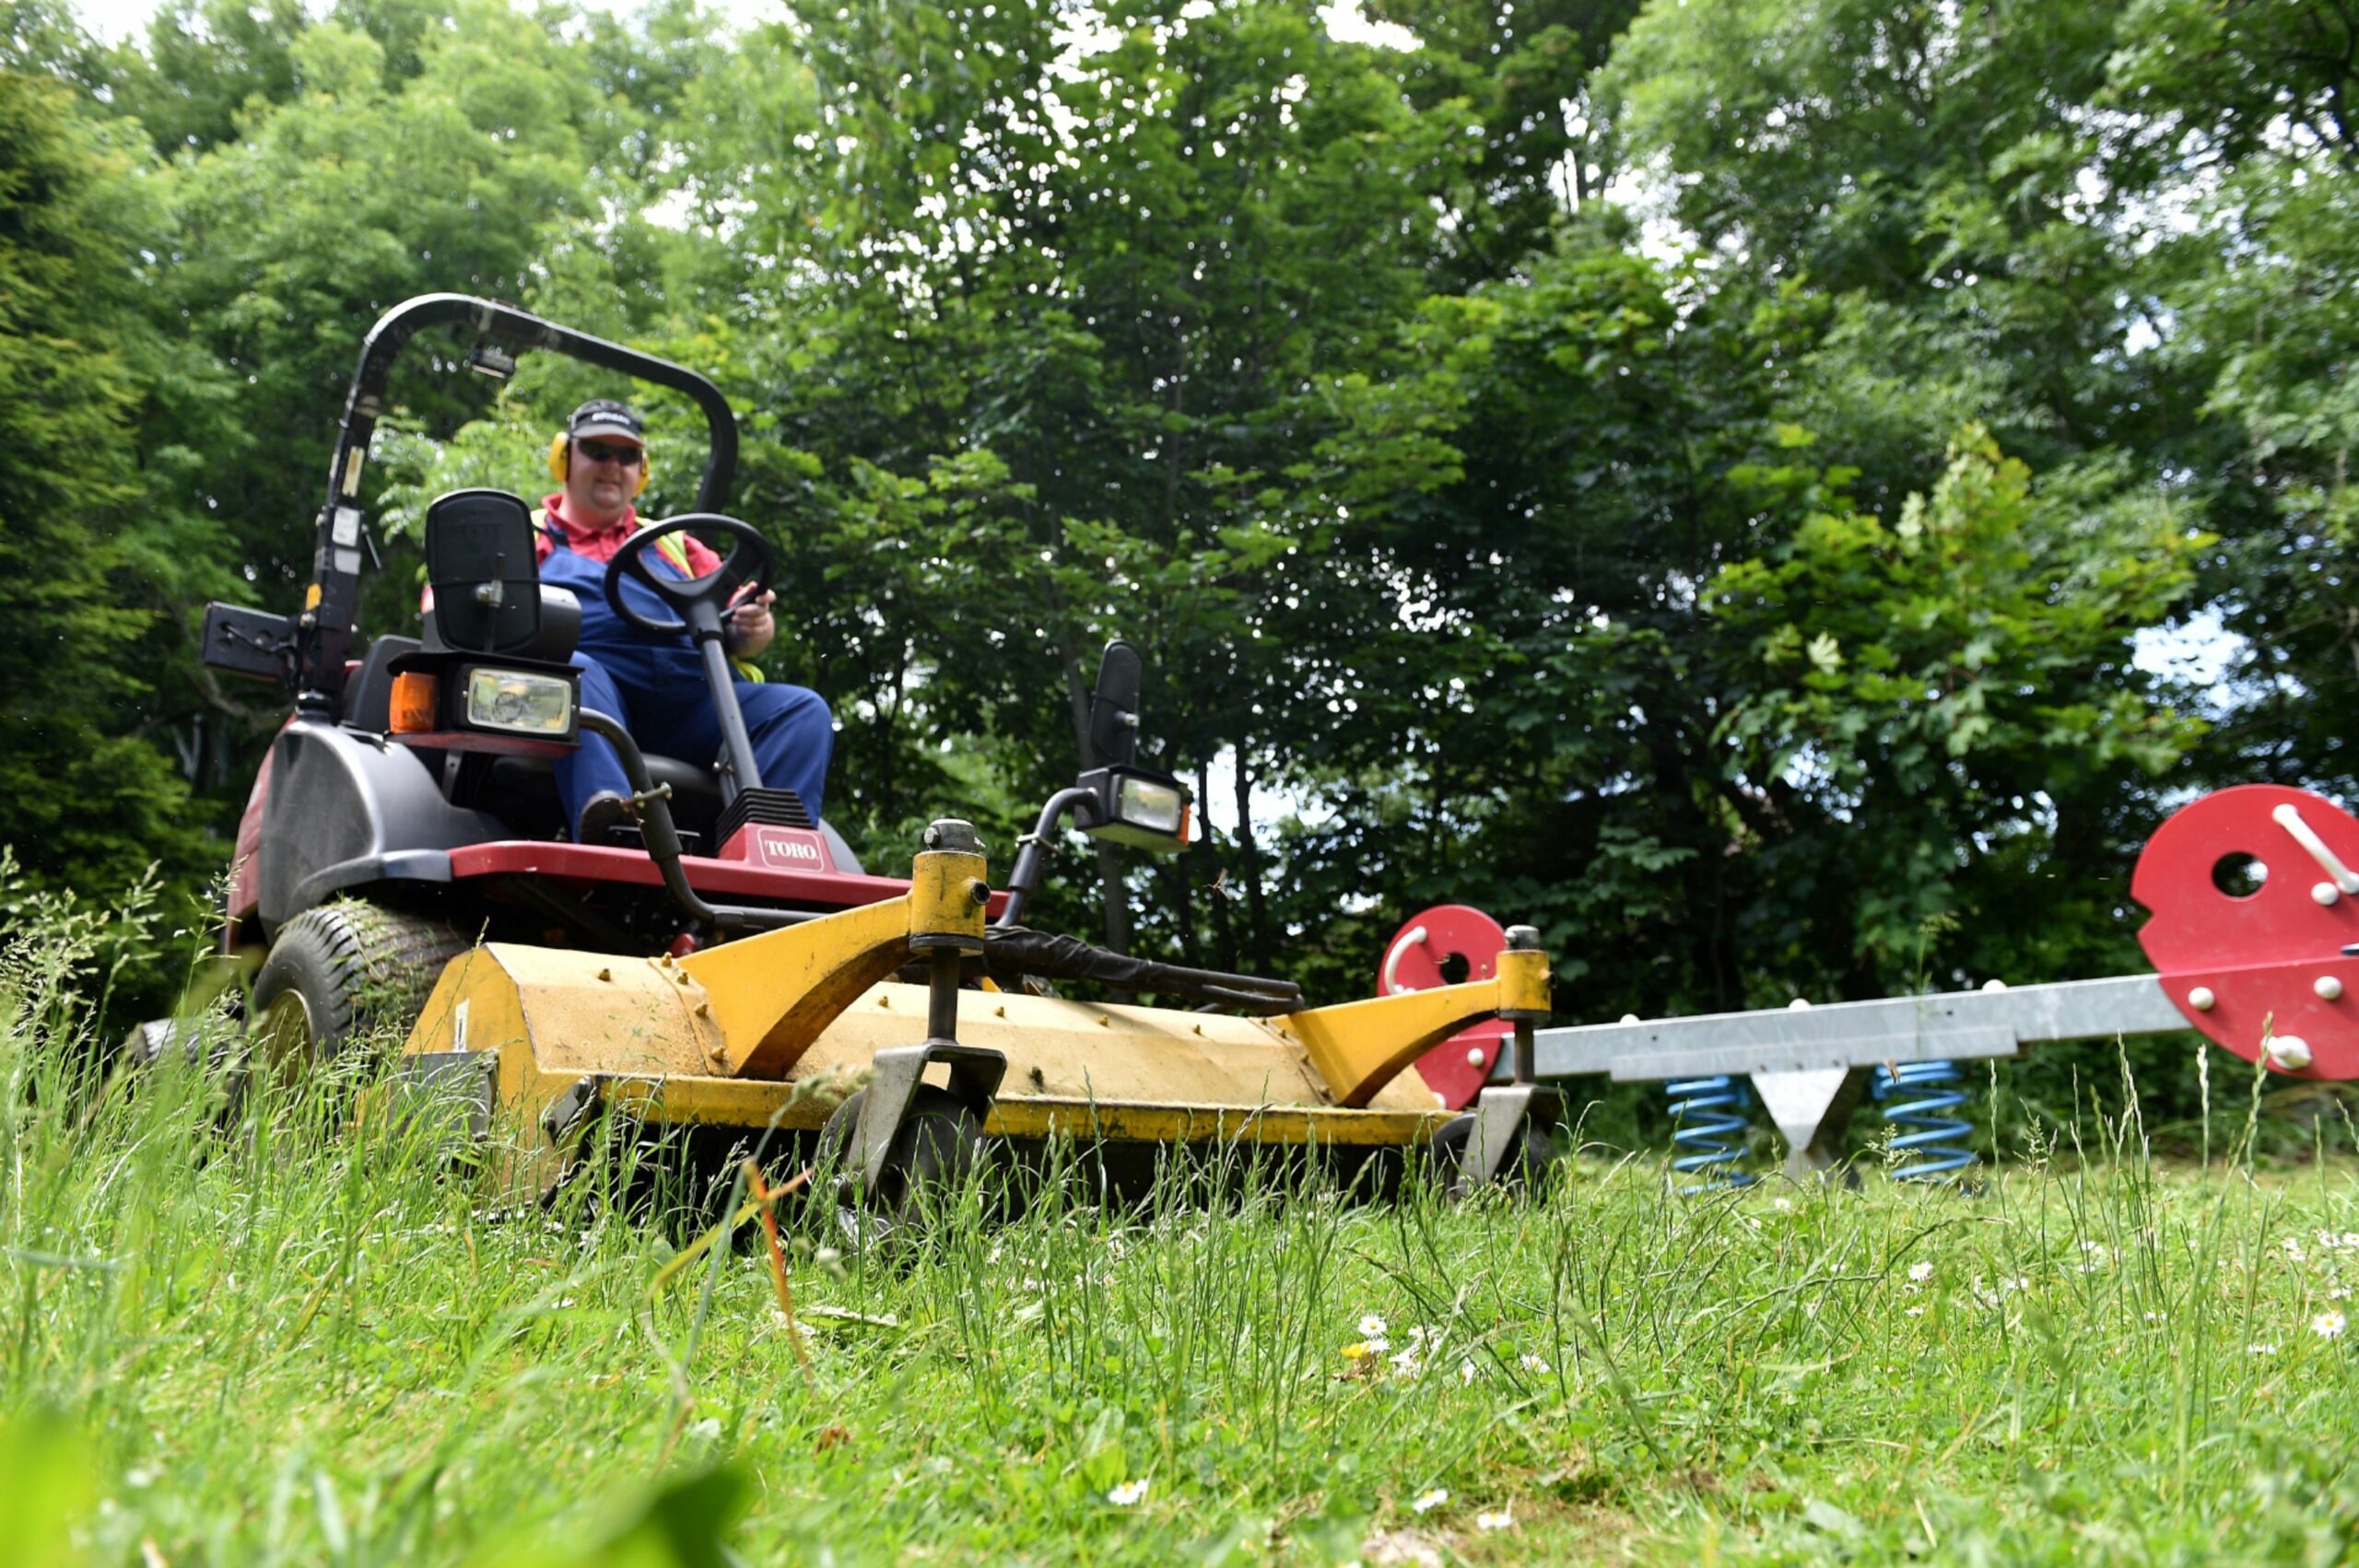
[1709,949]
[1224,929]
[1179,878]
[1109,861]
[1256,905]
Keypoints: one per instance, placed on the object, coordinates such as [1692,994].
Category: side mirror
[486,577]
[1114,799]
[1114,708]
[1128,804]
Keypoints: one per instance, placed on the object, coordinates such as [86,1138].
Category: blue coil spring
[1923,1130]
[1708,1130]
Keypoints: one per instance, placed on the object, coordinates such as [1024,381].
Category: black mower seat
[523,787]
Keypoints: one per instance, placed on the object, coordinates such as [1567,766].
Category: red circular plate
[2261,951]
[1458,1067]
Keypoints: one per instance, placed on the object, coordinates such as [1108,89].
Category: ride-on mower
[735,970]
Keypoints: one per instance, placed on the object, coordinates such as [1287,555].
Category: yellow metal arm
[772,995]
[1360,1047]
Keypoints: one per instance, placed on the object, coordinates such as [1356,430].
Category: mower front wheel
[938,1146]
[1523,1169]
[337,972]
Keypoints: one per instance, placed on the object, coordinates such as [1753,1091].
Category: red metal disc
[2268,959]
[1457,1068]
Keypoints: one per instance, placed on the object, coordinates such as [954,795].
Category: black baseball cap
[605,417]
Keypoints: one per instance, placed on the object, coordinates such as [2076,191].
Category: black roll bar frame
[324,626]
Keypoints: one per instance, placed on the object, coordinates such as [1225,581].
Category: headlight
[1158,808]
[1146,811]
[519,703]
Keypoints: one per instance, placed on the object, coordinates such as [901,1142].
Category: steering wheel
[702,601]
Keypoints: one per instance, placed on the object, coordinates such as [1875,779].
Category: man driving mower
[655,685]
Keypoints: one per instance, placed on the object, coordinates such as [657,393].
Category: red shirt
[600,543]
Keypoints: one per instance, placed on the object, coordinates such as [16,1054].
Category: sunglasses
[599,451]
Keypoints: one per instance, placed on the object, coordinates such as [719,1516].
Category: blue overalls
[657,687]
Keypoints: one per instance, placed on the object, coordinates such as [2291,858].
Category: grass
[257,1339]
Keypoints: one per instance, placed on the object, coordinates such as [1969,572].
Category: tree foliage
[90,799]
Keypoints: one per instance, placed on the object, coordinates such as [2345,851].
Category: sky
[115,20]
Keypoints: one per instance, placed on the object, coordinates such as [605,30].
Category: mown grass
[261,1337]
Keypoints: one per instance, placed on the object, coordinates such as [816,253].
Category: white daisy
[1427,1502]
[1129,1495]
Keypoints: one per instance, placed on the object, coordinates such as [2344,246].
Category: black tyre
[938,1146]
[1523,1170]
[339,971]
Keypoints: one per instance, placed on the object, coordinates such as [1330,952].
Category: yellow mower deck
[775,1030]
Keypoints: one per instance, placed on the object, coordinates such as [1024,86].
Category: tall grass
[237,1329]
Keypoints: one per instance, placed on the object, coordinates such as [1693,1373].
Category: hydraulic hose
[1030,859]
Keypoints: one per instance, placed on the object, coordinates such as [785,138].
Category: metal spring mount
[1708,1132]
[1922,1131]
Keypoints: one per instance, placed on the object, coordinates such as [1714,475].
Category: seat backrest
[485,573]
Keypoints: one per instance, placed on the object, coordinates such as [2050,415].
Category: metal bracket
[975,1075]
[1952,1026]
[565,1117]
[1811,1065]
[456,1089]
[1500,1113]
[1811,1107]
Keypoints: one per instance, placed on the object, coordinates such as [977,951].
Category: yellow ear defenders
[561,459]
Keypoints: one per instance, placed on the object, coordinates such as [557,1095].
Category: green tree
[90,801]
[2241,133]
[1933,721]
[1125,280]
[206,62]
[1526,74]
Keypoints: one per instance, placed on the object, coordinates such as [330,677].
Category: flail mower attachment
[777,1030]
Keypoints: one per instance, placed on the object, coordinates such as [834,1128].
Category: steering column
[702,604]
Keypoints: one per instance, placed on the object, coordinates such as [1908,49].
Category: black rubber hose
[1030,858]
[1011,953]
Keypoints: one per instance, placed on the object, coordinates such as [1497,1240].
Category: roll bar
[323,630]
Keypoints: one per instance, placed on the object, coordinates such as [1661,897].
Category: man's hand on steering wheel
[703,604]
[750,628]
